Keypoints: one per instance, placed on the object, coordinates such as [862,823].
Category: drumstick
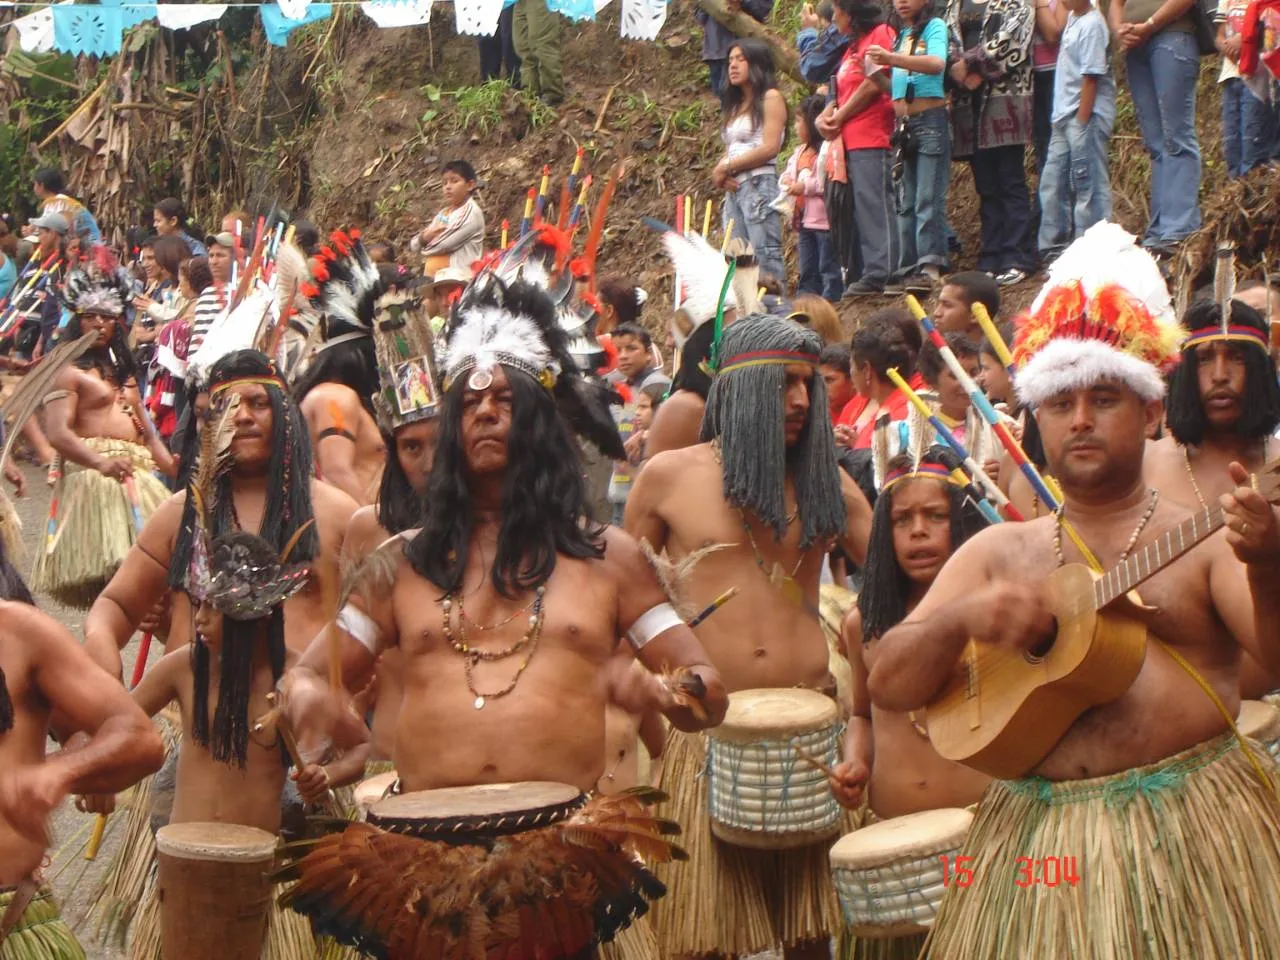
[95,838]
[714,605]
[291,745]
[813,761]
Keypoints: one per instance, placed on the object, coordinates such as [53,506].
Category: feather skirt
[1175,861]
[41,933]
[94,525]
[730,899]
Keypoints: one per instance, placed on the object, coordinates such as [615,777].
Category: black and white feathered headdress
[509,316]
[346,288]
[98,286]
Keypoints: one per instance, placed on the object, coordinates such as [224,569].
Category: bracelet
[1150,24]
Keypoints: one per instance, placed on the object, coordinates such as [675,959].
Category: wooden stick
[285,730]
[813,761]
[95,840]
[84,105]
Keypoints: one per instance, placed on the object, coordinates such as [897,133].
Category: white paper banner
[397,13]
[642,19]
[478,18]
[601,4]
[35,31]
[181,16]
[294,9]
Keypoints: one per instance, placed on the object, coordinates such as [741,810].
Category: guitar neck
[1157,555]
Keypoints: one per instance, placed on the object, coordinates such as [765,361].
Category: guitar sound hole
[1041,650]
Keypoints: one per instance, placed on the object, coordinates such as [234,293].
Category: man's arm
[139,584]
[59,418]
[857,530]
[665,644]
[642,518]
[333,417]
[915,659]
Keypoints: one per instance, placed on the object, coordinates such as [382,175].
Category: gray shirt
[1084,52]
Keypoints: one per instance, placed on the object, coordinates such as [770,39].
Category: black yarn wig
[545,508]
[352,363]
[1260,413]
[399,506]
[289,493]
[13,588]
[228,737]
[883,598]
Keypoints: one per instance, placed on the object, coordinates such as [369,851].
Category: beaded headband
[929,471]
[267,381]
[1234,333]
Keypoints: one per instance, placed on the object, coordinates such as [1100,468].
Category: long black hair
[1260,413]
[14,588]
[399,506]
[864,16]
[882,601]
[761,75]
[289,492]
[695,352]
[114,361]
[545,509]
[352,363]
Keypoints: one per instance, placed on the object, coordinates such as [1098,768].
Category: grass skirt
[1177,860]
[94,525]
[728,899]
[637,942]
[41,933]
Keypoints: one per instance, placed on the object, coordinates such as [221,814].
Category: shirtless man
[43,669]
[95,420]
[765,481]
[1159,768]
[264,491]
[336,390]
[505,674]
[1224,406]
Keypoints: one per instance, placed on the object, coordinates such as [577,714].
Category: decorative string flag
[277,26]
[183,16]
[397,13]
[88,28]
[477,18]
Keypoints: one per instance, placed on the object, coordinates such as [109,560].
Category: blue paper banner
[84,28]
[278,27]
[573,9]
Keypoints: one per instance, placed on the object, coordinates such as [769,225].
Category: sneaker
[918,283]
[895,288]
[1011,276]
[863,288]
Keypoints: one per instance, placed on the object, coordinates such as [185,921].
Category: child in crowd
[805,179]
[1250,133]
[819,315]
[820,44]
[952,405]
[1075,189]
[922,167]
[455,237]
[994,378]
[381,251]
[953,312]
[835,365]
[635,372]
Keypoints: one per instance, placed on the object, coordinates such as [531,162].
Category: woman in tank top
[755,123]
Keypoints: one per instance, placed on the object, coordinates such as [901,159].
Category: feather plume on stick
[214,456]
[1224,281]
[674,575]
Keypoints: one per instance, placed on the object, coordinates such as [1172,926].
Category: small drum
[1261,721]
[213,889]
[370,791]
[760,793]
[889,876]
[469,814]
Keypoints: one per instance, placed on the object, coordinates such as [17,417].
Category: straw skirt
[41,933]
[728,899]
[93,526]
[1179,860]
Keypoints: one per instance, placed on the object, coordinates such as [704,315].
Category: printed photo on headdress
[415,388]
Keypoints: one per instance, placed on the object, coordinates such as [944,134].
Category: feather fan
[32,388]
[212,460]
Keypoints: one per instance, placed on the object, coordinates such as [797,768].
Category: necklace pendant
[479,704]
[791,590]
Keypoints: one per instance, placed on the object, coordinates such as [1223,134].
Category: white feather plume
[1107,254]
[701,269]
[485,333]
[231,331]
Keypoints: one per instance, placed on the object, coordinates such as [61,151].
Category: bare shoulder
[331,505]
[993,550]
[364,533]
[70,378]
[671,463]
[322,395]
[165,522]
[39,631]
[622,554]
[851,628]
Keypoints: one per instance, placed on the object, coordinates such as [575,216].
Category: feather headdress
[239,328]
[98,286]
[518,326]
[1104,314]
[402,339]
[1221,322]
[345,288]
[701,269]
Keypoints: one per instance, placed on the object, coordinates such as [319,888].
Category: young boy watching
[455,237]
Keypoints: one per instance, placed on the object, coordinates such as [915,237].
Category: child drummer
[921,517]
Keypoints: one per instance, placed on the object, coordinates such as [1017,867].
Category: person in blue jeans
[755,124]
[922,166]
[1162,62]
[805,180]
[1075,188]
[1250,133]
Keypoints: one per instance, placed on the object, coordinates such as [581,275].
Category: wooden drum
[370,791]
[1260,721]
[760,793]
[467,814]
[214,892]
[889,875]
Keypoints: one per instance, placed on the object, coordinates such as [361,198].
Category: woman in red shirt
[862,117]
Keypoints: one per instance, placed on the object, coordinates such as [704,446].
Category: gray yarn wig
[745,411]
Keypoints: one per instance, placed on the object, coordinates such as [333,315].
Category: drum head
[368,792]
[482,800]
[902,838]
[218,842]
[756,715]
[1258,720]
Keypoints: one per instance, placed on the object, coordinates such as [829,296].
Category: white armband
[360,626]
[651,623]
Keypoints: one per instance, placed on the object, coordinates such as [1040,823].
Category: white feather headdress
[490,335]
[701,269]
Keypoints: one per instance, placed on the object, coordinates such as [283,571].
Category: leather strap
[22,898]
[335,432]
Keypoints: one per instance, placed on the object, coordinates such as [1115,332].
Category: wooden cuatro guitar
[1004,710]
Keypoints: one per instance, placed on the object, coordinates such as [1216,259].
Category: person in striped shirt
[213,300]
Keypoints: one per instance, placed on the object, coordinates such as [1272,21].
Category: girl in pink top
[805,179]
